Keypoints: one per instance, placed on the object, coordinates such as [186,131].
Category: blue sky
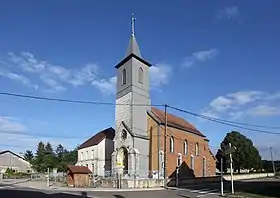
[217,58]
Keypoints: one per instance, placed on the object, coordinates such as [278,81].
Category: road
[25,189]
[14,191]
[262,187]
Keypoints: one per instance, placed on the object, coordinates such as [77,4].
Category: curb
[69,189]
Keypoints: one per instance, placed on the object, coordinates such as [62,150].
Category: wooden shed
[78,176]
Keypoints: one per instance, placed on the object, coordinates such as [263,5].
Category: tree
[39,161]
[61,160]
[219,156]
[50,158]
[45,157]
[9,171]
[28,156]
[246,155]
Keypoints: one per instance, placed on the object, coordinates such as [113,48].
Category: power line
[112,104]
[70,101]
[222,120]
[42,135]
[26,147]
[228,123]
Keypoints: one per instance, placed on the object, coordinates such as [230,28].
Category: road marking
[194,191]
[5,187]
[205,193]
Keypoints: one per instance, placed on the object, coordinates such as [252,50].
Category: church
[137,147]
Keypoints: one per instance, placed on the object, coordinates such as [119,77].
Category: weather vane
[133,24]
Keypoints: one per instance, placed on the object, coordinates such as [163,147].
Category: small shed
[78,176]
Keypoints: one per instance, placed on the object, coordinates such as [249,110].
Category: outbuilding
[78,176]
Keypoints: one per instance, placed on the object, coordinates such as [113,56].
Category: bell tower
[133,102]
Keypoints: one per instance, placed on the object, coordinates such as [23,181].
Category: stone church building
[139,129]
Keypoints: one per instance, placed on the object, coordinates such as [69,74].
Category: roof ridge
[98,137]
[176,121]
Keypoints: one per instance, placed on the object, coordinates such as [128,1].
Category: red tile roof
[78,169]
[175,121]
[108,133]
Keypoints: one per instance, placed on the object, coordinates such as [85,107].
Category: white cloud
[200,57]
[53,84]
[160,75]
[17,77]
[87,74]
[15,136]
[205,55]
[229,13]
[210,113]
[22,142]
[221,103]
[244,97]
[55,78]
[8,124]
[106,86]
[244,103]
[264,110]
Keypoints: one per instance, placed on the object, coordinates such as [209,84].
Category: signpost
[222,178]
[229,152]
[48,177]
[231,172]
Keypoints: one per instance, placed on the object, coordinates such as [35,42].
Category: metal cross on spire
[133,24]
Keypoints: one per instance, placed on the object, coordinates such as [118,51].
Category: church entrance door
[125,160]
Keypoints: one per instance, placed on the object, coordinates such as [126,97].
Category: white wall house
[95,153]
[9,159]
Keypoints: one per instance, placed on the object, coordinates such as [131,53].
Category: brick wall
[157,143]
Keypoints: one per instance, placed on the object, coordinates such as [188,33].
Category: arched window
[196,149]
[192,162]
[124,77]
[140,75]
[204,167]
[185,147]
[179,159]
[171,144]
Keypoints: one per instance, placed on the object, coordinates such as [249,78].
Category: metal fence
[142,174]
[57,177]
[127,179]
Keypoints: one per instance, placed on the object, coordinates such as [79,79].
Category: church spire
[133,46]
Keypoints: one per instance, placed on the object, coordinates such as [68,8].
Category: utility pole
[231,172]
[165,138]
[273,166]
[48,177]
[222,179]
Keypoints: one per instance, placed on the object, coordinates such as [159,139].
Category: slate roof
[175,121]
[108,133]
[78,169]
[133,47]
[133,51]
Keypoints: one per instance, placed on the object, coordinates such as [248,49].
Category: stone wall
[248,176]
[130,183]
[186,181]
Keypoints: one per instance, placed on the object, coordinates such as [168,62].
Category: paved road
[268,187]
[12,191]
[262,187]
